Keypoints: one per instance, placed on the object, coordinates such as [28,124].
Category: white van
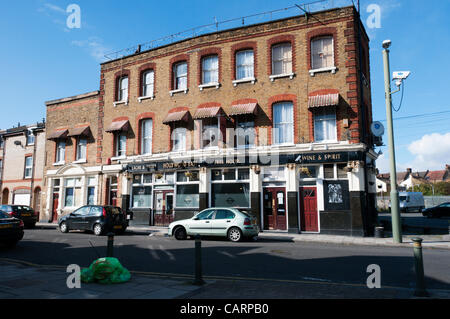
[410,202]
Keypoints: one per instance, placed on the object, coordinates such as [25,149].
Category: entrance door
[275,208]
[55,207]
[163,207]
[308,209]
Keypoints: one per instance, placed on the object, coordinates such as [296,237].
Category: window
[180,76]
[282,59]
[245,134]
[81,149]
[230,195]
[325,126]
[60,152]
[210,133]
[179,139]
[73,193]
[328,171]
[190,176]
[206,215]
[91,191]
[187,196]
[28,167]
[146,136]
[283,123]
[142,191]
[210,69]
[1,142]
[224,214]
[322,54]
[121,145]
[30,138]
[148,81]
[245,65]
[122,94]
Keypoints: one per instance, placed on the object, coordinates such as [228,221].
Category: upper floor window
[179,139]
[283,123]
[148,82]
[121,144]
[122,93]
[146,134]
[1,166]
[81,149]
[28,166]
[210,69]
[60,151]
[245,133]
[180,76]
[1,142]
[30,138]
[245,65]
[282,59]
[325,125]
[322,52]
[210,133]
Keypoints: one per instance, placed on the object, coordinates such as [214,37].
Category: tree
[440,189]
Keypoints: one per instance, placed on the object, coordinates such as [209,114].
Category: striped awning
[207,112]
[176,117]
[118,126]
[323,100]
[244,109]
[80,131]
[57,134]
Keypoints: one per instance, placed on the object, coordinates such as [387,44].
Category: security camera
[401,75]
[386,44]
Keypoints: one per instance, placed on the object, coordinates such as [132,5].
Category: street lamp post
[395,215]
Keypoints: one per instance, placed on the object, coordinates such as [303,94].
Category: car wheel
[180,233]
[63,227]
[98,230]
[235,234]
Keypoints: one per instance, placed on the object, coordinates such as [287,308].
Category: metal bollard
[110,246]
[379,232]
[198,261]
[420,276]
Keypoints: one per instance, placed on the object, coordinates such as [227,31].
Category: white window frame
[31,139]
[327,139]
[274,127]
[118,151]
[252,65]
[122,94]
[179,132]
[212,70]
[60,152]
[284,73]
[145,138]
[146,94]
[28,167]
[177,76]
[329,68]
[76,185]
[81,142]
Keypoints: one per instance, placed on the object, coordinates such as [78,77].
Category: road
[262,259]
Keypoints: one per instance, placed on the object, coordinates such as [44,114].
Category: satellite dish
[377,129]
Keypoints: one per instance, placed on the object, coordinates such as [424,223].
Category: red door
[55,207]
[163,207]
[308,209]
[274,205]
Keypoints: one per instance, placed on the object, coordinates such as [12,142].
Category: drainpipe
[3,165]
[33,170]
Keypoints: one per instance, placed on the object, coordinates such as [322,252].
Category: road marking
[226,254]
[168,253]
[153,252]
[315,279]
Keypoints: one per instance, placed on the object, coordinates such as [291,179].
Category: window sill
[117,158]
[279,76]
[80,161]
[120,102]
[209,85]
[330,69]
[178,91]
[142,98]
[59,164]
[246,80]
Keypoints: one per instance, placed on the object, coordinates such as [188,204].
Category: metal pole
[395,215]
[418,260]
[110,247]
[198,261]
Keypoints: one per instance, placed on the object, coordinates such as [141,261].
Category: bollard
[379,232]
[198,261]
[420,276]
[110,246]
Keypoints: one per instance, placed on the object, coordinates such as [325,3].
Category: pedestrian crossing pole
[395,209]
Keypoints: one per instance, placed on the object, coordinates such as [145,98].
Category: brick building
[22,165]
[271,118]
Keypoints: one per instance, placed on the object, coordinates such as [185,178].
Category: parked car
[11,229]
[99,219]
[410,202]
[224,222]
[442,210]
[25,213]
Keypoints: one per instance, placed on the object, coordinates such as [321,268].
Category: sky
[42,58]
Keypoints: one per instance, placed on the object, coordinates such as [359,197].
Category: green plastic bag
[106,270]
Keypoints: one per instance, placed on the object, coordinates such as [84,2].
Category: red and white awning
[323,100]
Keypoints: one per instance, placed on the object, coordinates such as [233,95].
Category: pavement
[429,241]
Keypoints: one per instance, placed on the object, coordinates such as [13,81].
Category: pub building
[271,118]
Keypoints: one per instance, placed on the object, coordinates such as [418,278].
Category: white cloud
[431,152]
[54,8]
[94,46]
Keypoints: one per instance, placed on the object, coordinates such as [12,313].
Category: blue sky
[42,59]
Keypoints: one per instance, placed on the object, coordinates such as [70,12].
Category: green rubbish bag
[106,270]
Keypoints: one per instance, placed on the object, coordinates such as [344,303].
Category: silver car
[224,222]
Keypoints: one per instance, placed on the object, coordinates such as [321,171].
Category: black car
[99,219]
[25,213]
[442,210]
[11,229]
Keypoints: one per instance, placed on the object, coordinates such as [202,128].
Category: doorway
[5,196]
[274,205]
[308,209]
[163,207]
[55,207]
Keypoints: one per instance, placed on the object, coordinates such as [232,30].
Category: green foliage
[440,189]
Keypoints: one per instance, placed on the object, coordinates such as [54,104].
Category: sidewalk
[429,241]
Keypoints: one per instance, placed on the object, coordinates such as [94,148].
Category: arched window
[146,136]
[245,65]
[210,69]
[283,123]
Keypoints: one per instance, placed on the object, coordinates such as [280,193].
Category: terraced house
[270,118]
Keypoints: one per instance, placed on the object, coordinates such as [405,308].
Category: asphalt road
[262,259]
